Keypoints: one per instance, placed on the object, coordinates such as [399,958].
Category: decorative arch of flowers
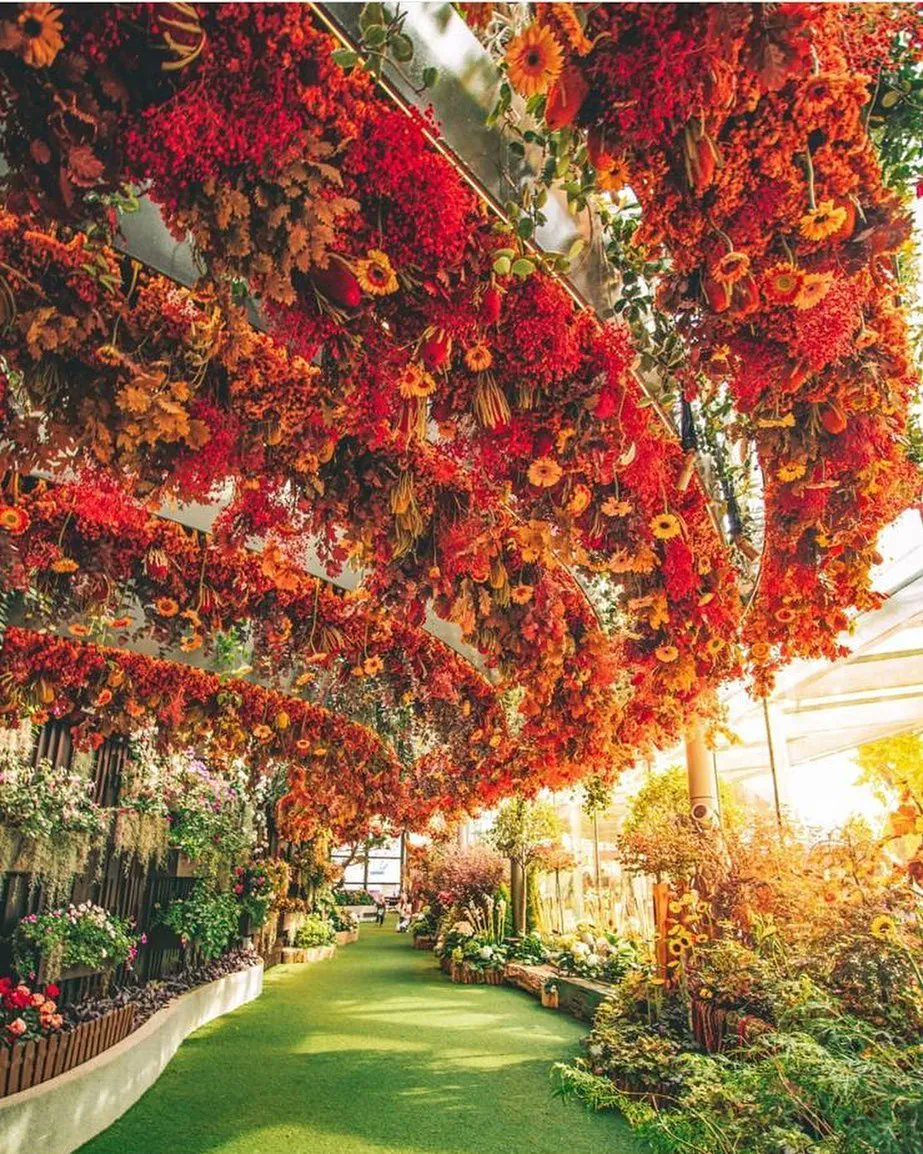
[339,772]
[422,403]
[764,144]
[99,563]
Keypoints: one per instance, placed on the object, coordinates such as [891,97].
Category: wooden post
[661,905]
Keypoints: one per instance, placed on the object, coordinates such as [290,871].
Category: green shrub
[314,931]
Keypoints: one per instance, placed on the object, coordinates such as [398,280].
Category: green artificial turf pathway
[375,1052]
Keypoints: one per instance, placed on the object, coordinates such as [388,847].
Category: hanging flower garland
[87,551]
[745,133]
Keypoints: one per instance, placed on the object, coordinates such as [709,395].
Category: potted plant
[550,994]
[73,941]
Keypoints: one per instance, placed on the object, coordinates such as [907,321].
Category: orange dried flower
[823,221]
[372,665]
[782,283]
[414,381]
[613,507]
[666,653]
[544,472]
[35,34]
[534,60]
[521,594]
[78,630]
[166,607]
[731,268]
[65,565]
[376,275]
[814,288]
[665,525]
[479,357]
[13,519]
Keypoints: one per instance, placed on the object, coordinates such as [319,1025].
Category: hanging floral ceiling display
[420,399]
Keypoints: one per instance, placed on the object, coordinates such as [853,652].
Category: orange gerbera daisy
[521,594]
[35,34]
[376,275]
[823,221]
[760,650]
[78,630]
[191,643]
[664,526]
[119,622]
[784,615]
[262,732]
[666,653]
[166,607]
[544,472]
[415,381]
[791,471]
[783,282]
[13,520]
[64,565]
[713,646]
[372,665]
[731,268]
[814,288]
[534,60]
[479,357]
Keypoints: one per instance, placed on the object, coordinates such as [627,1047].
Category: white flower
[593,960]
[579,950]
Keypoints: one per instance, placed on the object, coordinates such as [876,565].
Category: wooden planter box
[347,937]
[466,975]
[423,942]
[27,1064]
[292,956]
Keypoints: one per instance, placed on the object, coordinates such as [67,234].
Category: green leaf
[576,248]
[525,228]
[430,76]
[402,47]
[345,57]
[376,36]
[502,266]
[523,267]
[370,15]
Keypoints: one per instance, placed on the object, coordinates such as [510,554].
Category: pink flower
[17,1027]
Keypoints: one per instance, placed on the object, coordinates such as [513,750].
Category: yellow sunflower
[376,275]
[883,928]
[823,221]
[544,472]
[664,526]
[791,471]
[534,60]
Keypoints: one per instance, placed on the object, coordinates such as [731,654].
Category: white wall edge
[59,1116]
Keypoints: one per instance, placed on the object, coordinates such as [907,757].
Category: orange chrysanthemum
[479,357]
[415,381]
[35,34]
[64,565]
[545,472]
[13,520]
[782,283]
[731,268]
[534,60]
[376,275]
[665,526]
[166,607]
[521,594]
[823,221]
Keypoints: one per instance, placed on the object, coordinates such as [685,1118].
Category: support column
[777,746]
[703,787]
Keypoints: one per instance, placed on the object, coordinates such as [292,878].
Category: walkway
[372,1053]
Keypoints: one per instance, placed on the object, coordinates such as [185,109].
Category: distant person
[381,908]
[404,914]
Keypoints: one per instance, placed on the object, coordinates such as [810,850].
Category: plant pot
[550,998]
[423,942]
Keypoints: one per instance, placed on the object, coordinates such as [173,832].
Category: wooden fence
[126,888]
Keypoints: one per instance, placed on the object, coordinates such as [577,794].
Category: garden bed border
[59,1116]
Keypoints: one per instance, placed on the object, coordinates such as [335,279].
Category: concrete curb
[58,1116]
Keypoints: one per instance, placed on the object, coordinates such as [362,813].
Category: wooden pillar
[518,896]
[703,787]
